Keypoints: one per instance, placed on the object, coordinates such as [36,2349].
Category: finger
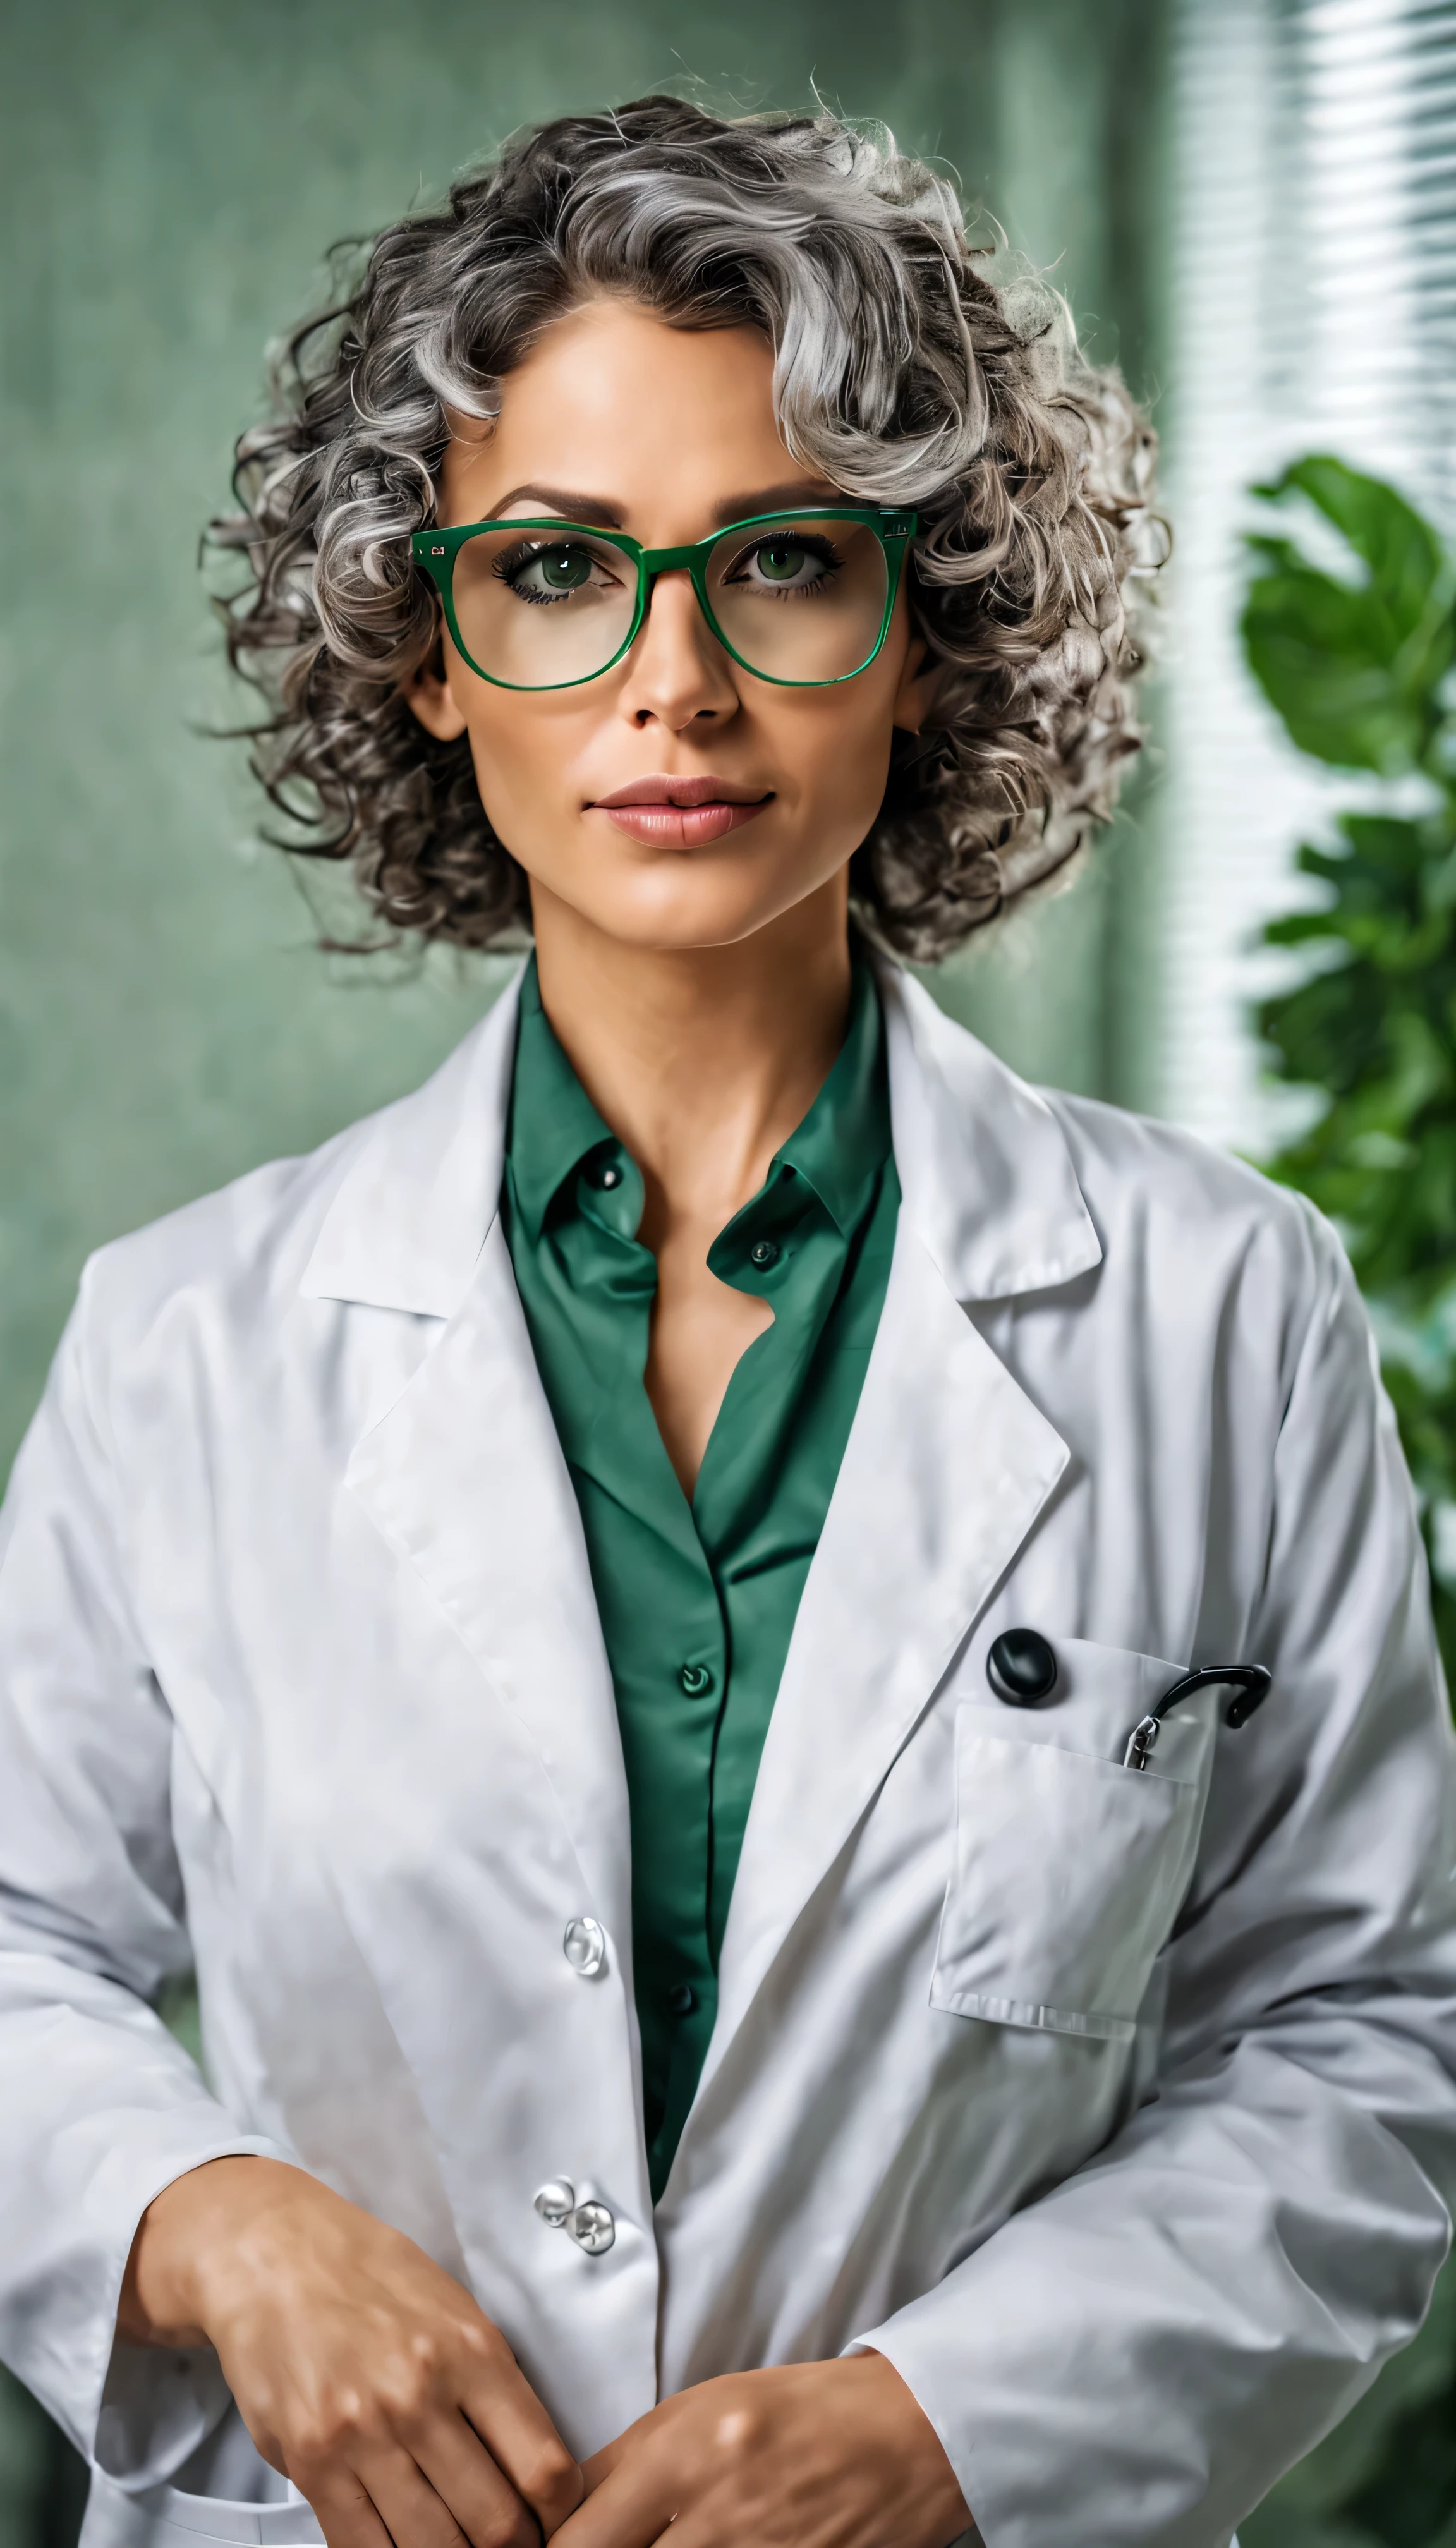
[612,2454]
[602,2464]
[507,2417]
[629,2508]
[410,2510]
[342,2506]
[483,2503]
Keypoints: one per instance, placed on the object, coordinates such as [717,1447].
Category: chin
[674,906]
[681,925]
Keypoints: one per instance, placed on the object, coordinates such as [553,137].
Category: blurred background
[1250,204]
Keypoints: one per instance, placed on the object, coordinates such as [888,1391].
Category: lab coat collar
[987,1180]
[421,1189]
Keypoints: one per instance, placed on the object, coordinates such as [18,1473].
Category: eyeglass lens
[799,601]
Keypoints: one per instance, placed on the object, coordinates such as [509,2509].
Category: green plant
[1355,655]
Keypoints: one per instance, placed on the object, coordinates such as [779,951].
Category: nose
[676,671]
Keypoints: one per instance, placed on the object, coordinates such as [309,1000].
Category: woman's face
[617,418]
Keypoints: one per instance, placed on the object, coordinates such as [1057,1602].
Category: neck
[703,1060]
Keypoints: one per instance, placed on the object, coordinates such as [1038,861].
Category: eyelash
[510,561]
[814,543]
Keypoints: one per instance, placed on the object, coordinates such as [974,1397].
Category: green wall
[171,172]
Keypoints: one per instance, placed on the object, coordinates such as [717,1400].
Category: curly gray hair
[901,374]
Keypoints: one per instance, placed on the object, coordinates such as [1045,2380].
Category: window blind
[1314,277]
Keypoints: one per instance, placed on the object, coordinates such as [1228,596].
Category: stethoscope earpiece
[1250,1683]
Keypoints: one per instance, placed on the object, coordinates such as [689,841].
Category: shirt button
[555,2200]
[608,1176]
[681,1999]
[696,1680]
[584,1946]
[764,1253]
[592,2227]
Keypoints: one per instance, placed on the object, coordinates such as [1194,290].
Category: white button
[556,2199]
[592,2227]
[584,1946]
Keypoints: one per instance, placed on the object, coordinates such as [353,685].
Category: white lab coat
[1115,2109]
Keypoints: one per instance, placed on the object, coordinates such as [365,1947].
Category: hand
[813,2455]
[361,2369]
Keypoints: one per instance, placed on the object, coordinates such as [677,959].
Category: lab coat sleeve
[1140,2354]
[100,2107]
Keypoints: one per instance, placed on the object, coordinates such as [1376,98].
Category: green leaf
[1297,928]
[1353,664]
[1389,846]
[1402,552]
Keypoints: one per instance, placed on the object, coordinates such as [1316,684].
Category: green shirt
[698,1600]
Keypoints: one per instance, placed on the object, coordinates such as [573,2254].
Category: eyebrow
[560,500]
[775,499]
[604,515]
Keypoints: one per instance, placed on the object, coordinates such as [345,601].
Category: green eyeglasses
[798,598]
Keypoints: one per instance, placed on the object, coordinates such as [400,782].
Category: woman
[627,1614]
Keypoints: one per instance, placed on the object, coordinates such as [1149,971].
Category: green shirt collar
[843,1141]
[846,1134]
[553,1122]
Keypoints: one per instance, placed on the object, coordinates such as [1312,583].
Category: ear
[915,696]
[429,694]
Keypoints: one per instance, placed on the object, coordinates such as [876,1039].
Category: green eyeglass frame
[437,551]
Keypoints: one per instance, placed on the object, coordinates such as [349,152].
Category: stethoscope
[1022,1669]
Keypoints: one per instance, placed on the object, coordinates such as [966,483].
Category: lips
[682,813]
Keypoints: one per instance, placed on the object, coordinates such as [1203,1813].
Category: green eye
[565,570]
[780,561]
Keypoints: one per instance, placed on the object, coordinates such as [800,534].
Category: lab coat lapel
[946,1468]
[463,1474]
[465,1479]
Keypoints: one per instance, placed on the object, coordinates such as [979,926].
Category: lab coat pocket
[170,2516]
[1068,1874]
